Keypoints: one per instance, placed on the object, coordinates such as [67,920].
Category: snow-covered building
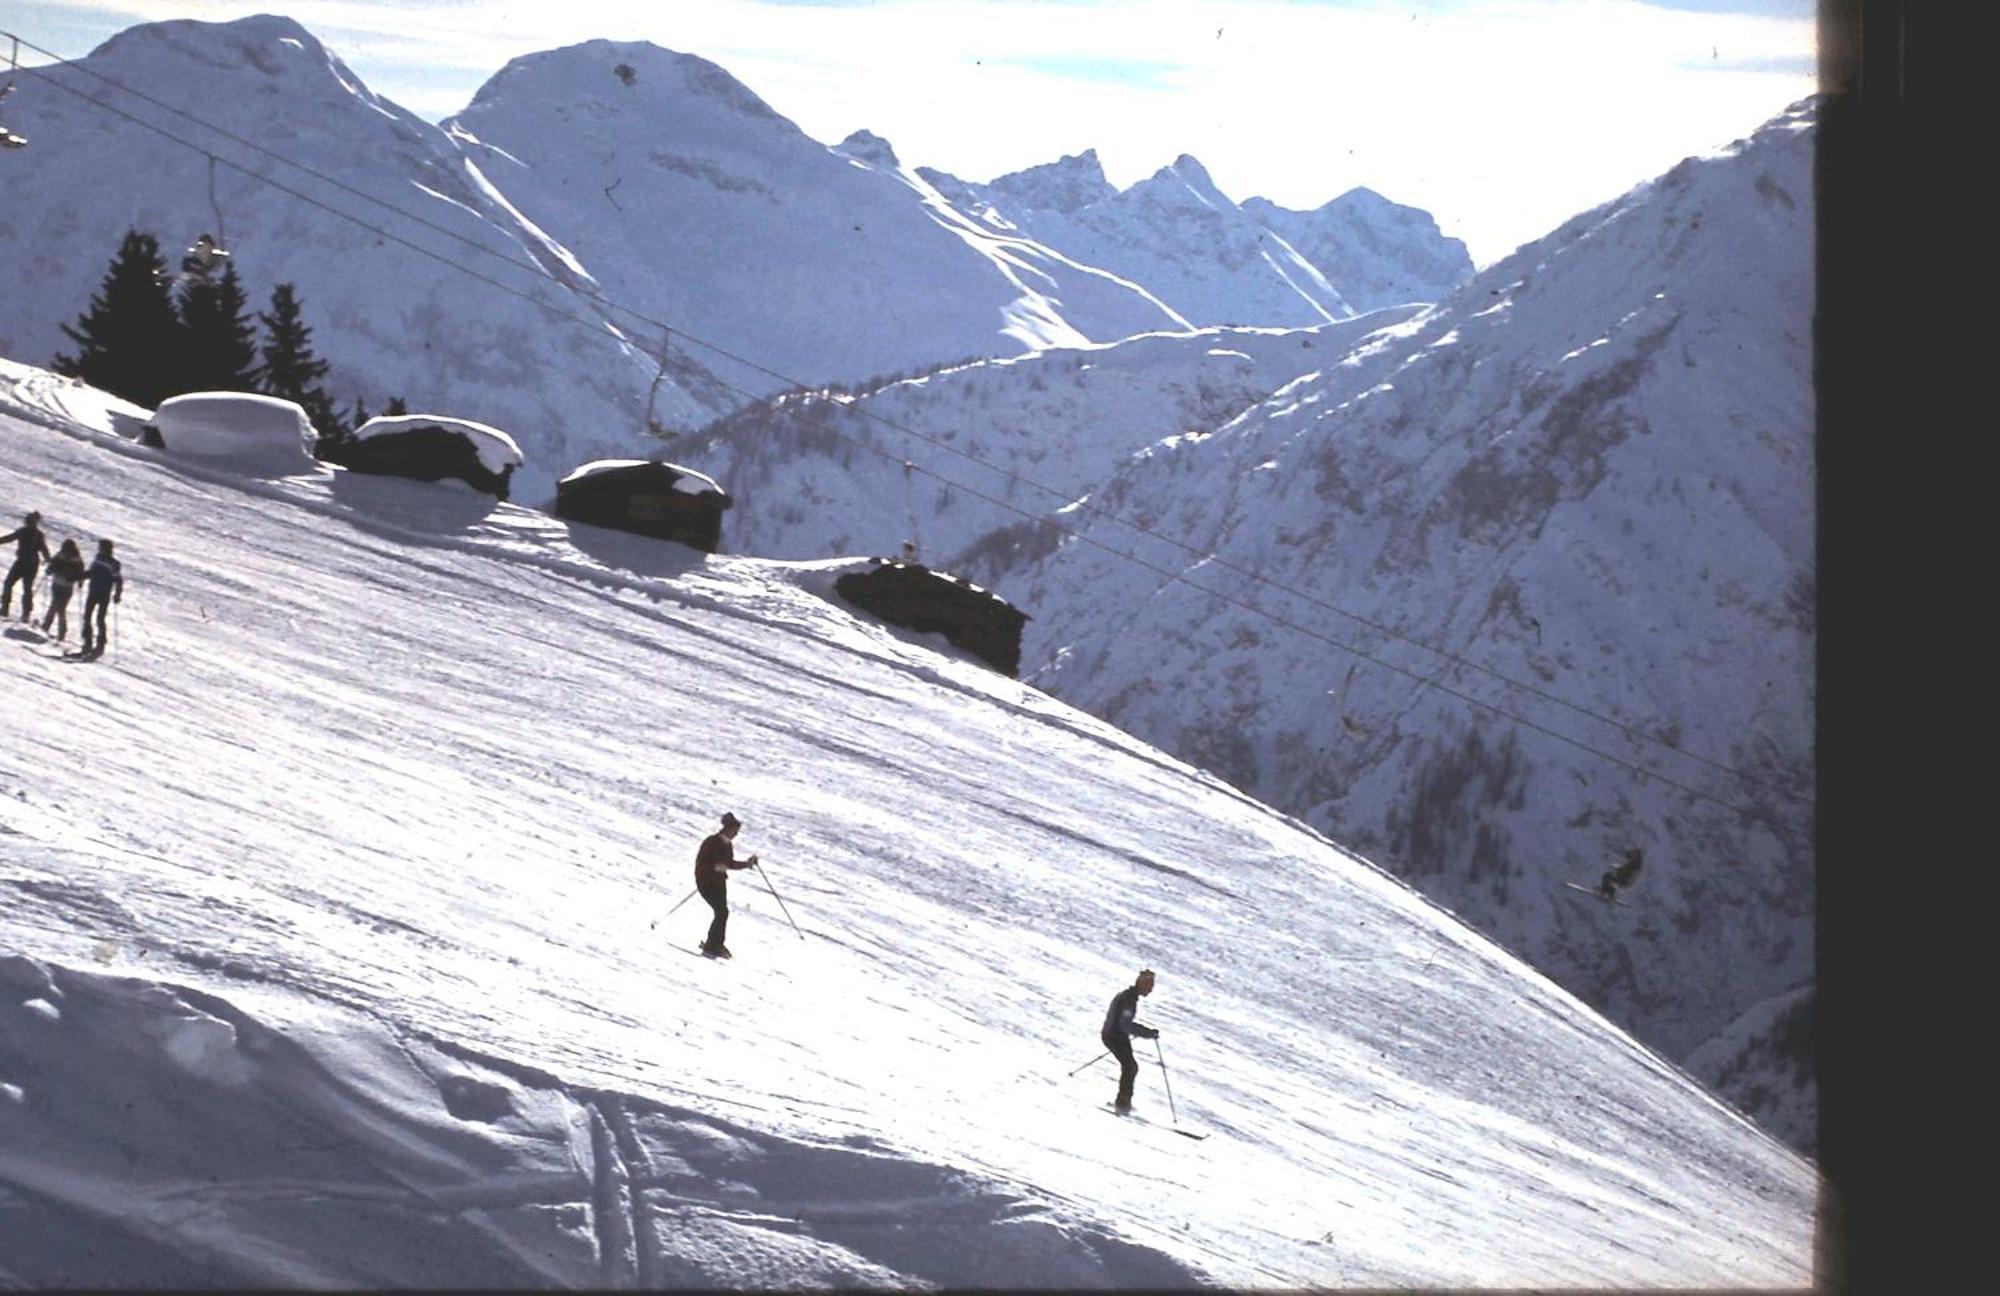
[647,497]
[257,434]
[430,447]
[911,594]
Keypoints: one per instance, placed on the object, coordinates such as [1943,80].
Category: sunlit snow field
[335,948]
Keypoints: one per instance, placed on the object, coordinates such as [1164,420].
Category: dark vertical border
[1864,333]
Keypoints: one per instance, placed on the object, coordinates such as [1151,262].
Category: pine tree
[130,341]
[221,341]
[290,368]
[397,407]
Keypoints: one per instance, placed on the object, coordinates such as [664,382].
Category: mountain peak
[866,146]
[1068,185]
[601,70]
[257,29]
[1183,178]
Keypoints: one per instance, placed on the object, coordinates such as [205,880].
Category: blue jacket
[105,577]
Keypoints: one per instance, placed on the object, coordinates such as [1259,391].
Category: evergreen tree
[290,368]
[397,407]
[129,342]
[221,341]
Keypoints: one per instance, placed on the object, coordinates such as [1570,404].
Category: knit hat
[730,820]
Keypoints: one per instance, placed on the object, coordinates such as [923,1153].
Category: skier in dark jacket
[711,877]
[65,570]
[1119,1028]
[32,550]
[1622,874]
[107,586]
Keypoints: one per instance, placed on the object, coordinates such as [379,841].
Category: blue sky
[1500,117]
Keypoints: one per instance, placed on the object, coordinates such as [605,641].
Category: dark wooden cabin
[912,595]
[429,447]
[646,497]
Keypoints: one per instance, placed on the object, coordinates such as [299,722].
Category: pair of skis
[1113,1108]
[1594,893]
[1177,1128]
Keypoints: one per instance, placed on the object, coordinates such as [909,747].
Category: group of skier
[103,578]
[716,857]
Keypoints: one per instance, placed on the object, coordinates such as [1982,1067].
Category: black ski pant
[715,890]
[1128,1066]
[95,609]
[24,570]
[58,612]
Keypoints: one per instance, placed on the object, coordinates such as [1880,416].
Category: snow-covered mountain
[1378,252]
[700,203]
[832,472]
[338,947]
[390,319]
[1580,487]
[1214,262]
[604,188]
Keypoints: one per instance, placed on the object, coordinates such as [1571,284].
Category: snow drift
[260,434]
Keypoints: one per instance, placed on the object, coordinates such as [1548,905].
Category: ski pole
[780,899]
[1094,1061]
[1169,1082]
[683,900]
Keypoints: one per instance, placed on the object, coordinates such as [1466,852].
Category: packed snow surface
[339,946]
[496,450]
[260,433]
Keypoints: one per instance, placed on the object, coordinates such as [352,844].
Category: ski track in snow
[357,848]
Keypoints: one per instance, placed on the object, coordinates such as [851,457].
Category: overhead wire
[1450,661]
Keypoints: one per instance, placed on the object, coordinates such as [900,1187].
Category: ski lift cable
[255,147]
[1451,660]
[595,325]
[1629,729]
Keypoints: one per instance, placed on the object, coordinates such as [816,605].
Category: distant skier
[106,579]
[31,551]
[1621,874]
[711,877]
[1119,1028]
[65,570]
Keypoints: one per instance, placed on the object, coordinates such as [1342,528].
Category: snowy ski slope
[335,948]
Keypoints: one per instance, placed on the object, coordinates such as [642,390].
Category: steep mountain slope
[1378,253]
[390,320]
[1590,472]
[817,474]
[1175,232]
[327,954]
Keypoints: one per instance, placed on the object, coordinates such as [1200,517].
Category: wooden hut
[647,497]
[430,447]
[911,594]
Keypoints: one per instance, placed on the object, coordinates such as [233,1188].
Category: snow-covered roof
[497,451]
[688,481]
[266,433]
